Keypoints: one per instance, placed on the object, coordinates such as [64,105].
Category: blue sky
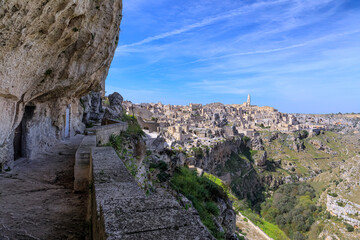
[294,55]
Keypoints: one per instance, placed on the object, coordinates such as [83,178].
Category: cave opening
[18,141]
[20,133]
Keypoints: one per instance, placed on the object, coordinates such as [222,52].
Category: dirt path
[252,232]
[36,197]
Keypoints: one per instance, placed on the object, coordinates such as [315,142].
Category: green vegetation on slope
[293,209]
[120,141]
[270,229]
[203,193]
[244,179]
[134,130]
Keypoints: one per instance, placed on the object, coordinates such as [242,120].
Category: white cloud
[205,22]
[314,41]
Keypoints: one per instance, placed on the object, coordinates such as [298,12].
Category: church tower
[248,100]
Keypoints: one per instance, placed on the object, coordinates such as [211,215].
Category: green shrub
[304,134]
[163,177]
[332,194]
[116,142]
[292,208]
[160,165]
[349,227]
[203,193]
[134,130]
[246,139]
[198,152]
[163,167]
[212,208]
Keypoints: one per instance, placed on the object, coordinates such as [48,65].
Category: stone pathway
[37,200]
[252,231]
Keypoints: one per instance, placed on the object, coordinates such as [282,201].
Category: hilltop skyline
[296,56]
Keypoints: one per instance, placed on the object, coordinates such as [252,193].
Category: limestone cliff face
[52,52]
[223,161]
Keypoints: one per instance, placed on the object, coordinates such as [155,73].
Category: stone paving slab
[37,200]
[118,190]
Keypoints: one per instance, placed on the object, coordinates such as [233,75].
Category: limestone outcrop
[320,146]
[51,53]
[260,158]
[115,110]
[93,110]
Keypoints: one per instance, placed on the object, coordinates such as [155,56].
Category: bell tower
[248,100]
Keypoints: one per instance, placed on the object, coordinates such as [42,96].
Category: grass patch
[203,193]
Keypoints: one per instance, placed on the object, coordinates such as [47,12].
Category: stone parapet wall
[121,210]
[111,183]
[104,132]
[82,164]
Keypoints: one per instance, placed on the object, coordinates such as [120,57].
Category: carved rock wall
[51,53]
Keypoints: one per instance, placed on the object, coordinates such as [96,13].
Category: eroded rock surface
[115,110]
[52,53]
[93,110]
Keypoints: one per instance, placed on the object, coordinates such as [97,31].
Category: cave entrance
[20,133]
[18,141]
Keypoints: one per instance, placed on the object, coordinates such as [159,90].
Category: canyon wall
[51,53]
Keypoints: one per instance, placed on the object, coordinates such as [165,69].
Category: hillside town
[211,122]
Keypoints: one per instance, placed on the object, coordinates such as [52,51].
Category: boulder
[116,101]
[317,144]
[257,143]
[298,145]
[115,109]
[93,111]
[260,158]
[159,144]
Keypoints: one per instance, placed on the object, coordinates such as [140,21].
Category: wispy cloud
[205,22]
[314,41]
